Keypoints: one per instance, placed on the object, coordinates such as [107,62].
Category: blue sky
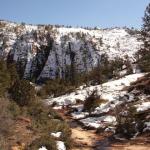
[102,13]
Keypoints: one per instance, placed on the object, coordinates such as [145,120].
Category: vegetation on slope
[144,53]
[25,121]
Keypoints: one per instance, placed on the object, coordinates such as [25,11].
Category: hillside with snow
[110,91]
[46,51]
[104,116]
[112,98]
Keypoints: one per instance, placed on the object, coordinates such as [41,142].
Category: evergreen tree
[23,93]
[72,66]
[13,72]
[4,78]
[144,53]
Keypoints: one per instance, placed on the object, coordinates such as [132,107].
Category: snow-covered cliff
[46,51]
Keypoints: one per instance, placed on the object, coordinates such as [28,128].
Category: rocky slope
[46,51]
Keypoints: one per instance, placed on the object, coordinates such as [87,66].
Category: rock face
[46,51]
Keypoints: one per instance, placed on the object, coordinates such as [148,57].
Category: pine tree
[4,78]
[23,93]
[11,67]
[144,53]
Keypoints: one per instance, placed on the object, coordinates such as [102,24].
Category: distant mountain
[46,51]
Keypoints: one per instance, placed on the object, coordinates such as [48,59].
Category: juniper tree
[144,52]
[23,93]
[4,78]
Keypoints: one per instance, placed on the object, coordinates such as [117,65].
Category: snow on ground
[57,107]
[109,91]
[61,145]
[97,122]
[147,128]
[143,107]
[43,148]
[79,115]
[79,107]
[57,134]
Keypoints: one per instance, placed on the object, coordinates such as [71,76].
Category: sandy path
[83,139]
[131,147]
[88,140]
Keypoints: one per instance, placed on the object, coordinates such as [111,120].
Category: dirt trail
[88,140]
[83,139]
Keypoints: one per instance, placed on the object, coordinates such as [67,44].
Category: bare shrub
[92,101]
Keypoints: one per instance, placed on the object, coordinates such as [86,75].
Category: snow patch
[143,107]
[57,134]
[97,122]
[43,148]
[109,91]
[147,128]
[61,145]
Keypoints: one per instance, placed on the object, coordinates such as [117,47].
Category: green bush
[106,69]
[40,116]
[66,135]
[23,93]
[46,120]
[14,109]
[128,121]
[4,78]
[56,87]
[144,60]
[45,141]
[143,55]
[11,67]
